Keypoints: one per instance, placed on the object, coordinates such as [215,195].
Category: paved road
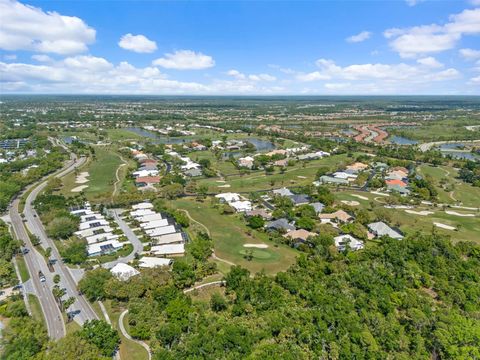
[33,260]
[81,307]
[134,240]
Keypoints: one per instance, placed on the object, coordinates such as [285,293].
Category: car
[42,277]
[2,292]
[25,251]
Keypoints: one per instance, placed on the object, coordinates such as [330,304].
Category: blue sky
[245,48]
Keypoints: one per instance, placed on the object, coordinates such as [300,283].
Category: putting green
[257,253]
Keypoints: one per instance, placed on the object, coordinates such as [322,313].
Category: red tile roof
[396,182]
[148,179]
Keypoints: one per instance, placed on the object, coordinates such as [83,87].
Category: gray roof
[193,172]
[318,206]
[380,229]
[280,224]
[283,192]
[299,199]
[331,179]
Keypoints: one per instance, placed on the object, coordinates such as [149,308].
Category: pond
[159,139]
[400,140]
[261,145]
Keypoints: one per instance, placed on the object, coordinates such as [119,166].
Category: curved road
[127,335]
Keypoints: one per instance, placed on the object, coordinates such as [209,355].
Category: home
[299,199]
[164,230]
[241,206]
[281,163]
[342,241]
[325,179]
[123,271]
[168,250]
[95,238]
[93,231]
[173,238]
[299,235]
[92,224]
[144,173]
[246,162]
[147,181]
[228,197]
[399,189]
[142,212]
[105,247]
[259,212]
[280,225]
[357,167]
[276,152]
[379,229]
[153,262]
[282,192]
[339,216]
[193,172]
[318,207]
[396,182]
[154,224]
[344,175]
[144,205]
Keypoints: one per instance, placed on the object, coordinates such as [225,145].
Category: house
[153,262]
[357,167]
[228,197]
[154,224]
[276,152]
[95,238]
[93,231]
[105,247]
[281,163]
[246,162]
[142,212]
[169,229]
[300,199]
[259,212]
[380,229]
[338,216]
[342,241]
[147,180]
[282,192]
[299,235]
[396,182]
[379,166]
[400,189]
[148,161]
[396,174]
[174,238]
[151,217]
[325,179]
[318,206]
[92,224]
[144,173]
[344,175]
[280,224]
[241,206]
[168,250]
[123,271]
[144,205]
[193,172]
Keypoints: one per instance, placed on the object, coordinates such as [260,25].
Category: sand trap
[443,226]
[458,214]
[422,213]
[82,178]
[379,193]
[359,196]
[351,203]
[301,177]
[224,186]
[79,188]
[258,246]
[220,181]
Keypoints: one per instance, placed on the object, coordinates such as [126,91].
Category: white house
[149,218]
[152,262]
[144,206]
[342,241]
[169,239]
[168,250]
[241,206]
[228,197]
[93,231]
[154,224]
[92,224]
[246,162]
[123,271]
[141,212]
[143,173]
[101,237]
[170,229]
[105,247]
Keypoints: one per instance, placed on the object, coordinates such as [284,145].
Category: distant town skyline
[240,48]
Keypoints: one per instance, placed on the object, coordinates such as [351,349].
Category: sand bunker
[82,178]
[359,196]
[258,246]
[458,214]
[379,193]
[443,226]
[220,181]
[351,203]
[301,177]
[79,188]
[224,186]
[422,213]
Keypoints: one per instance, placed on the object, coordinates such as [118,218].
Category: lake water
[261,145]
[446,149]
[400,140]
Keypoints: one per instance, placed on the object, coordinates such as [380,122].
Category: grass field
[22,268]
[229,234]
[37,312]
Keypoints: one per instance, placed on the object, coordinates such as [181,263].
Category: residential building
[380,229]
[123,271]
[342,241]
[280,224]
[153,262]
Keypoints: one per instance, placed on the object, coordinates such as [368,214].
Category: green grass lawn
[122,135]
[299,175]
[229,234]
[37,312]
[22,268]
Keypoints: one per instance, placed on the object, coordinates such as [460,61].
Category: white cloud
[185,60]
[137,43]
[236,74]
[413,2]
[475,80]
[430,62]
[470,54]
[253,77]
[24,27]
[475,2]
[364,35]
[10,57]
[42,58]
[425,39]
[337,86]
[312,76]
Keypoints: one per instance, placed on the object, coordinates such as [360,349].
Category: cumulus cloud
[470,54]
[430,62]
[434,38]
[362,36]
[413,2]
[236,74]
[185,60]
[24,27]
[42,58]
[252,77]
[137,43]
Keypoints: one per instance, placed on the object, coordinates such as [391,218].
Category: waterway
[400,140]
